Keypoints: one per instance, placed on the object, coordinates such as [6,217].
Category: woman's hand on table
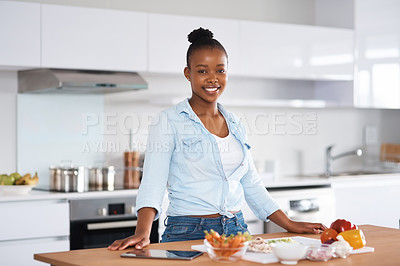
[310,228]
[138,241]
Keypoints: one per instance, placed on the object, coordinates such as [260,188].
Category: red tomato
[341,225]
[328,234]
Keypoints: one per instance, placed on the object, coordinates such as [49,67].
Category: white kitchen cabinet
[90,38]
[21,252]
[368,199]
[34,219]
[288,51]
[29,227]
[377,78]
[168,41]
[19,34]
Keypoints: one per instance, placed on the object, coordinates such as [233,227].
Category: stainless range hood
[53,80]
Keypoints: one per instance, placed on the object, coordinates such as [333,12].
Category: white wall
[299,149]
[53,128]
[8,124]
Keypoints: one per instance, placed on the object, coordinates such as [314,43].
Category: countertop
[280,184]
[384,240]
[48,195]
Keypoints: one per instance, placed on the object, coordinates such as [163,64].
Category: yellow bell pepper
[355,238]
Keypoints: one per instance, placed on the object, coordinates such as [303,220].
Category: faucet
[330,158]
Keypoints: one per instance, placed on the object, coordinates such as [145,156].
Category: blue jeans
[181,228]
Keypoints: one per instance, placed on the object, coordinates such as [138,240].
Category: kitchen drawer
[20,252]
[25,220]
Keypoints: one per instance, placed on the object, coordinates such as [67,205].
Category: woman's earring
[188,79]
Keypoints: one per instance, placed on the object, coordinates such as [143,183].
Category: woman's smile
[212,89]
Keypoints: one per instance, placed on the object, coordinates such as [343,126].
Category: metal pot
[102,178]
[67,178]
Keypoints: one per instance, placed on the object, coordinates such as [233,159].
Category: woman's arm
[141,238]
[281,219]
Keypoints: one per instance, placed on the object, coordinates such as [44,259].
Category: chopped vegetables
[328,234]
[341,225]
[260,245]
[278,240]
[226,246]
[355,238]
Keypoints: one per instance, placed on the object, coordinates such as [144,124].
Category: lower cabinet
[21,252]
[29,227]
[369,200]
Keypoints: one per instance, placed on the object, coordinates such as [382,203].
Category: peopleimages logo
[135,126]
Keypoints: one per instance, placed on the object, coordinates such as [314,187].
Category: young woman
[199,152]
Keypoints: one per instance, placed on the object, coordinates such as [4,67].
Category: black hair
[202,38]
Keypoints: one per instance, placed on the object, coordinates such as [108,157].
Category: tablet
[161,254]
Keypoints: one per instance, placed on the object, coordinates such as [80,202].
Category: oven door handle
[111,225]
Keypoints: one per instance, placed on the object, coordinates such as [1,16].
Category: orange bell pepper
[355,238]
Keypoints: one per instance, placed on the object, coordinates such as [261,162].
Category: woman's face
[207,73]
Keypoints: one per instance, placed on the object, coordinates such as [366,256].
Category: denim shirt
[183,156]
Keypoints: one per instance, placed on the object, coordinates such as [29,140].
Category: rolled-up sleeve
[159,149]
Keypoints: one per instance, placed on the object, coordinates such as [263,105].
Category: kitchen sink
[346,173]
[350,173]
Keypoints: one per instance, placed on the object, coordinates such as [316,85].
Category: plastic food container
[225,254]
[320,252]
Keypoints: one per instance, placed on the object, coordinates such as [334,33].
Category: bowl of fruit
[15,184]
[222,248]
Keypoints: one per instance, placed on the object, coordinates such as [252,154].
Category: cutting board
[266,258]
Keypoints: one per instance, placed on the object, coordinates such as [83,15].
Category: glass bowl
[225,254]
[320,252]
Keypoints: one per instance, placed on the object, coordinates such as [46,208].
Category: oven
[96,223]
[304,204]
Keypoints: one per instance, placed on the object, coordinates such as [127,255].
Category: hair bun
[200,34]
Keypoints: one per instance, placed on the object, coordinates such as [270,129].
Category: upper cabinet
[89,38]
[377,79]
[296,51]
[57,36]
[256,49]
[168,41]
[19,34]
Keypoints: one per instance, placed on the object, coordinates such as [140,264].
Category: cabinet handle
[111,225]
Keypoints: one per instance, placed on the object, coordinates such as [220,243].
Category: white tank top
[231,153]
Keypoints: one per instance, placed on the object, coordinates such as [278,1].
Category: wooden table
[386,242]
